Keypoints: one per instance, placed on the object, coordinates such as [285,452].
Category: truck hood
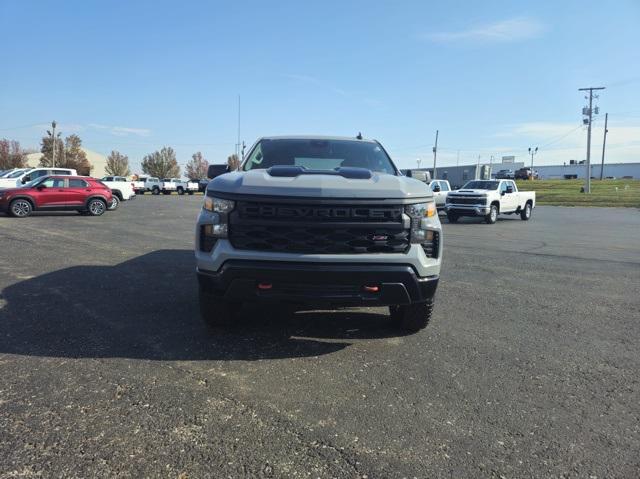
[471,192]
[260,182]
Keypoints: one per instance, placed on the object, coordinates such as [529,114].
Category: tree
[117,164]
[11,155]
[68,154]
[75,157]
[46,149]
[197,167]
[233,162]
[162,164]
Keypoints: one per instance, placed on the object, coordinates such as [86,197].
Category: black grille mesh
[320,240]
[366,231]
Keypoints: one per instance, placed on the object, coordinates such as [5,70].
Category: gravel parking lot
[529,368]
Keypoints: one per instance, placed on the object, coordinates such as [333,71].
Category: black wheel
[115,202]
[96,207]
[492,217]
[20,208]
[411,317]
[525,214]
[216,312]
[180,191]
[452,217]
[155,190]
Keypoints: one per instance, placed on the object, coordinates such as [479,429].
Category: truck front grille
[466,200]
[313,229]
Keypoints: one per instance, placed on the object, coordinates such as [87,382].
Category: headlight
[421,210]
[421,215]
[218,205]
[217,222]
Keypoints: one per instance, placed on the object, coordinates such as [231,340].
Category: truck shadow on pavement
[147,308]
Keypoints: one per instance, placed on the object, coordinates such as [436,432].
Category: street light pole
[53,142]
[532,151]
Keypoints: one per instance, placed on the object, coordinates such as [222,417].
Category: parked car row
[166,186]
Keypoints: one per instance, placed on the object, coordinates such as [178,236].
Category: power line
[23,127]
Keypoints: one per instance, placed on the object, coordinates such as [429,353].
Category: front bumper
[318,284]
[468,210]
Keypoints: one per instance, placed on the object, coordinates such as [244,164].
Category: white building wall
[617,170]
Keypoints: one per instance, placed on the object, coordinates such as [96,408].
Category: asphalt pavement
[529,367]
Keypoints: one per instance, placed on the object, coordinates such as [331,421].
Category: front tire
[412,317]
[180,191]
[115,202]
[492,217]
[525,214]
[155,191]
[20,208]
[216,312]
[96,207]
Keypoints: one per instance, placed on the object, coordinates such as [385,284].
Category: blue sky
[494,77]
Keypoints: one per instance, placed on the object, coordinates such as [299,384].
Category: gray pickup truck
[318,222]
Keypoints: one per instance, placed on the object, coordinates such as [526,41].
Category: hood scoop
[352,173]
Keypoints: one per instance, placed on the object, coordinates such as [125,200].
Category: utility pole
[435,153]
[604,143]
[53,143]
[589,113]
[532,151]
[418,160]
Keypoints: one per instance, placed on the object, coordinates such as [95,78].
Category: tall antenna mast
[238,143]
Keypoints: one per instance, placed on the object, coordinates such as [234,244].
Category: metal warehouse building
[617,170]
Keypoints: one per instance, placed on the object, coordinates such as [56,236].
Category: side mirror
[436,189]
[41,187]
[217,170]
[24,181]
[509,189]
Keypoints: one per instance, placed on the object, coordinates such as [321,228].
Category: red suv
[57,193]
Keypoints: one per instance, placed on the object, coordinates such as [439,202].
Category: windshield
[481,185]
[15,174]
[320,154]
[32,183]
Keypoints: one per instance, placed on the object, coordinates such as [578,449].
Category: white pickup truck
[121,188]
[148,183]
[488,199]
[180,186]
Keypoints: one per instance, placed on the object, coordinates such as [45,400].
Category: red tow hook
[371,289]
[265,286]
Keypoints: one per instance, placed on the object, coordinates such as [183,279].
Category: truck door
[509,201]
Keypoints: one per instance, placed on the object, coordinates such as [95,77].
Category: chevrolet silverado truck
[182,186]
[488,199]
[318,222]
[121,188]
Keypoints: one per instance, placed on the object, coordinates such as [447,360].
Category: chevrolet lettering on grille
[321,212]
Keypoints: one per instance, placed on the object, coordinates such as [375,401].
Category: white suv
[21,177]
